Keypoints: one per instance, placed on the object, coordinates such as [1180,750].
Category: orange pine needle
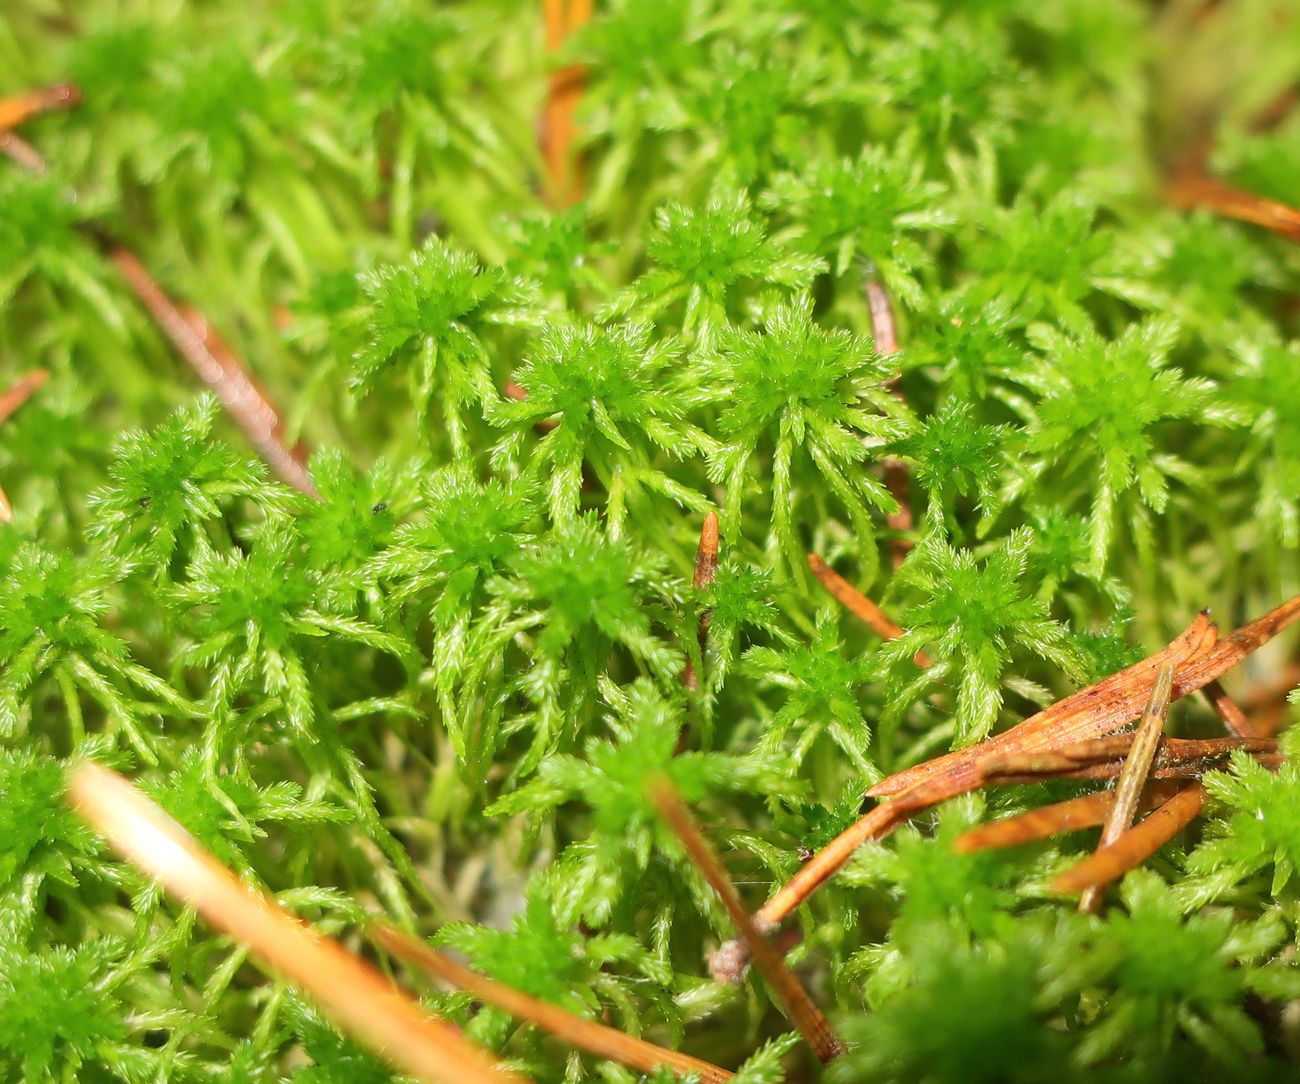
[1109,863]
[588,1035]
[706,568]
[19,108]
[1192,190]
[219,369]
[1228,711]
[859,605]
[1133,776]
[563,95]
[357,996]
[1086,811]
[799,1007]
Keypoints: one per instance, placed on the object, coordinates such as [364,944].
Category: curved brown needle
[1133,776]
[799,1007]
[1109,863]
[858,604]
[588,1035]
[357,996]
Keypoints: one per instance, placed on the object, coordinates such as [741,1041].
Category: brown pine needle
[884,330]
[799,1007]
[18,393]
[10,401]
[588,1035]
[1228,711]
[1135,846]
[1188,191]
[219,369]
[859,605]
[1201,657]
[1133,776]
[22,153]
[357,996]
[1086,811]
[19,108]
[562,18]
[706,568]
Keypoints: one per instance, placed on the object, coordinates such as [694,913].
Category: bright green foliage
[1255,831]
[1099,402]
[797,391]
[610,394]
[865,208]
[517,415]
[433,313]
[972,615]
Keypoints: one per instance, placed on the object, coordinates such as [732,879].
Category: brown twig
[859,605]
[588,1035]
[706,568]
[357,996]
[562,18]
[1136,845]
[799,1007]
[217,367]
[1085,811]
[23,107]
[1133,777]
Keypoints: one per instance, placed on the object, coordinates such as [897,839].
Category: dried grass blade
[357,996]
[1135,846]
[588,1035]
[800,1008]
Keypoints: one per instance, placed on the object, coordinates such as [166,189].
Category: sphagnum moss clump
[437,684]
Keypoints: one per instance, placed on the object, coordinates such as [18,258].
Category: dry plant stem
[587,1035]
[217,368]
[1228,711]
[22,153]
[885,331]
[562,18]
[1201,657]
[1108,754]
[1136,845]
[354,994]
[1133,776]
[706,568]
[799,1007]
[1086,811]
[10,401]
[22,107]
[858,604]
[1188,191]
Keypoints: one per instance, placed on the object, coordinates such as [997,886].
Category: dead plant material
[706,569]
[859,605]
[1133,847]
[798,1005]
[588,1035]
[1073,815]
[884,330]
[10,401]
[20,108]
[217,367]
[358,997]
[1188,191]
[1133,776]
[564,175]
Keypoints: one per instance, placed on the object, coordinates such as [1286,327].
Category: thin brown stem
[357,996]
[859,605]
[22,153]
[1228,711]
[799,1006]
[1133,776]
[706,568]
[884,330]
[588,1035]
[1073,815]
[218,368]
[20,108]
[1135,846]
[1188,191]
[563,95]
